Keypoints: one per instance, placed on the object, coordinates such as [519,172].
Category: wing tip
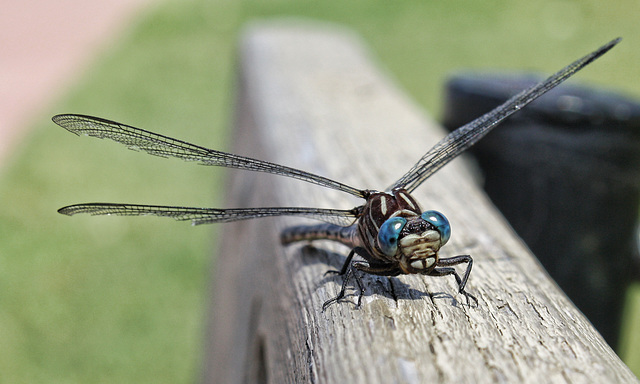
[68,210]
[605,48]
[66,121]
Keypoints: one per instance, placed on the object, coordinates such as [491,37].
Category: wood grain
[310,96]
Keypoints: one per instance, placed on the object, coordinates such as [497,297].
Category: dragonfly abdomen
[326,231]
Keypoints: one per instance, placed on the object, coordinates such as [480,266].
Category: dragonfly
[389,232]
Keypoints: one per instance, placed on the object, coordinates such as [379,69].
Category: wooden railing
[311,97]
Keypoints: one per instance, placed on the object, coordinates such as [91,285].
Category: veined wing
[199,216]
[464,137]
[164,146]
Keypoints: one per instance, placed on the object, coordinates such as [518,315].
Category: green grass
[108,299]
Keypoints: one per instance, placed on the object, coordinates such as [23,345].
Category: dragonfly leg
[343,289]
[380,270]
[347,262]
[347,271]
[446,270]
[359,282]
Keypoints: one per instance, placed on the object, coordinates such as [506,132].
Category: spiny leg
[380,270]
[345,282]
[449,261]
[376,269]
[347,271]
[462,282]
[450,271]
[347,262]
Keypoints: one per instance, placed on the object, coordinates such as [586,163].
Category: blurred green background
[111,299]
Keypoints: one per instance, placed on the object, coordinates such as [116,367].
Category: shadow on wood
[310,97]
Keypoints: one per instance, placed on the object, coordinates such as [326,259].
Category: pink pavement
[44,45]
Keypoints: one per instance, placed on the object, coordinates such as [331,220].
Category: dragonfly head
[415,241]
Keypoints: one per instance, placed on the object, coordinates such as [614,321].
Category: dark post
[565,173]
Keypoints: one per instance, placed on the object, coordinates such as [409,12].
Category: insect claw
[467,296]
[327,303]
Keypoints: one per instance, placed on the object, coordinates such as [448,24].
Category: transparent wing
[164,146]
[199,216]
[467,135]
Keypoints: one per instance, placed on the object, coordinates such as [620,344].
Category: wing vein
[158,145]
[199,216]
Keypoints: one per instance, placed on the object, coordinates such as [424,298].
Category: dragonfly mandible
[390,232]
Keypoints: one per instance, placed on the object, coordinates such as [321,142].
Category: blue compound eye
[388,235]
[440,222]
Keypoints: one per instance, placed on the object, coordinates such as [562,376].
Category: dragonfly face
[392,234]
[413,244]
[420,240]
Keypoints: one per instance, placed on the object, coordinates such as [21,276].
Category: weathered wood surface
[310,97]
